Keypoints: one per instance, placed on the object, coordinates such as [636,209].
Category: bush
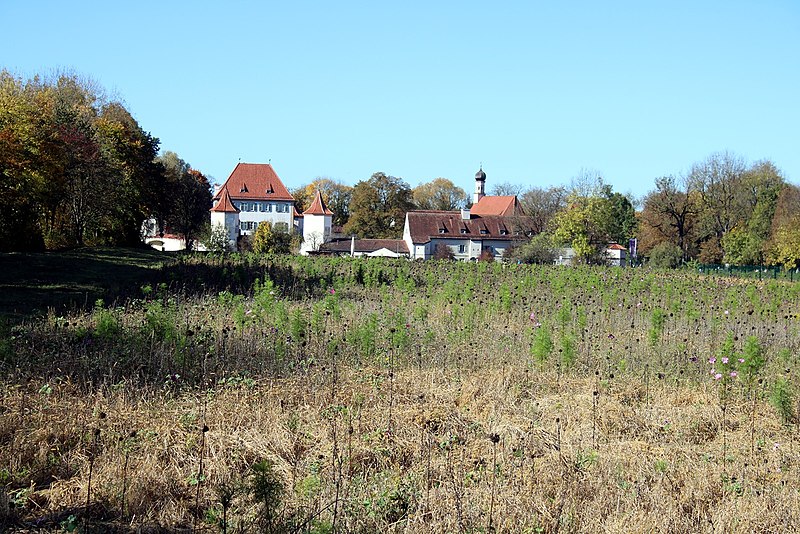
[782,399]
[666,256]
[443,252]
[539,250]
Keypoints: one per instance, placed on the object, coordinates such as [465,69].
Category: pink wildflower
[734,374]
[717,376]
[333,291]
[724,360]
[741,360]
[712,360]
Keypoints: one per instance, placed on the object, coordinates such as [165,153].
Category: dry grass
[637,465]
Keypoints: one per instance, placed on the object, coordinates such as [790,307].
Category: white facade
[229,221]
[462,249]
[316,231]
[254,212]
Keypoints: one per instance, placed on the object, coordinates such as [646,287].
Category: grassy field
[36,282]
[286,394]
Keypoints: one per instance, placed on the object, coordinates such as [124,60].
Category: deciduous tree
[439,194]
[337,197]
[669,215]
[191,197]
[379,206]
[542,205]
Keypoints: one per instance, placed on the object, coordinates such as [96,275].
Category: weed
[782,399]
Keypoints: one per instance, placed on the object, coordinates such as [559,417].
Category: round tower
[480,185]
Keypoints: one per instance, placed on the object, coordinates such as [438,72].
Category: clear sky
[535,91]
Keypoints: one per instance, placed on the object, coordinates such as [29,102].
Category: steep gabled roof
[255,181]
[225,205]
[615,246]
[427,225]
[495,205]
[318,207]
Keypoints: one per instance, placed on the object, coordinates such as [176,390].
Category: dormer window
[243,188]
[269,189]
[463,230]
[484,231]
[442,230]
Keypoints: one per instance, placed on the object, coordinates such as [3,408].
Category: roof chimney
[465,214]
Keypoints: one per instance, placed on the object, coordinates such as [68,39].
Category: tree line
[77,169]
[722,211]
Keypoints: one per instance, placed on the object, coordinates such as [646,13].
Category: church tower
[480,185]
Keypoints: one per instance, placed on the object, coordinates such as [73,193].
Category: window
[442,230]
[484,231]
[463,230]
[262,206]
[462,249]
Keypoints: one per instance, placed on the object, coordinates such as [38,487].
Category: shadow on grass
[33,283]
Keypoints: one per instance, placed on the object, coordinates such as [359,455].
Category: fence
[760,272]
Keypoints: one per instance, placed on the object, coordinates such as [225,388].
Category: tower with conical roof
[480,185]
[225,214]
[317,224]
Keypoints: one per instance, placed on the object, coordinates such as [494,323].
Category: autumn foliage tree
[439,194]
[723,210]
[337,197]
[190,195]
[75,167]
[378,207]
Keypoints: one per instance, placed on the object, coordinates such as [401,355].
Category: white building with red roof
[226,215]
[490,227]
[317,225]
[256,193]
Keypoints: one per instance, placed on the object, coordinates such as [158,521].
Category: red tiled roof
[225,205]
[255,181]
[367,245]
[615,246]
[493,205]
[318,207]
[425,225]
[296,213]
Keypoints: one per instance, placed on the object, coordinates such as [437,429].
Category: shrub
[665,256]
[539,250]
[782,399]
[542,345]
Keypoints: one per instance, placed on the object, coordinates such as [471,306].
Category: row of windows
[463,248]
[249,226]
[264,207]
[484,231]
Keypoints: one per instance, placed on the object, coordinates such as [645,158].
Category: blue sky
[535,91]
